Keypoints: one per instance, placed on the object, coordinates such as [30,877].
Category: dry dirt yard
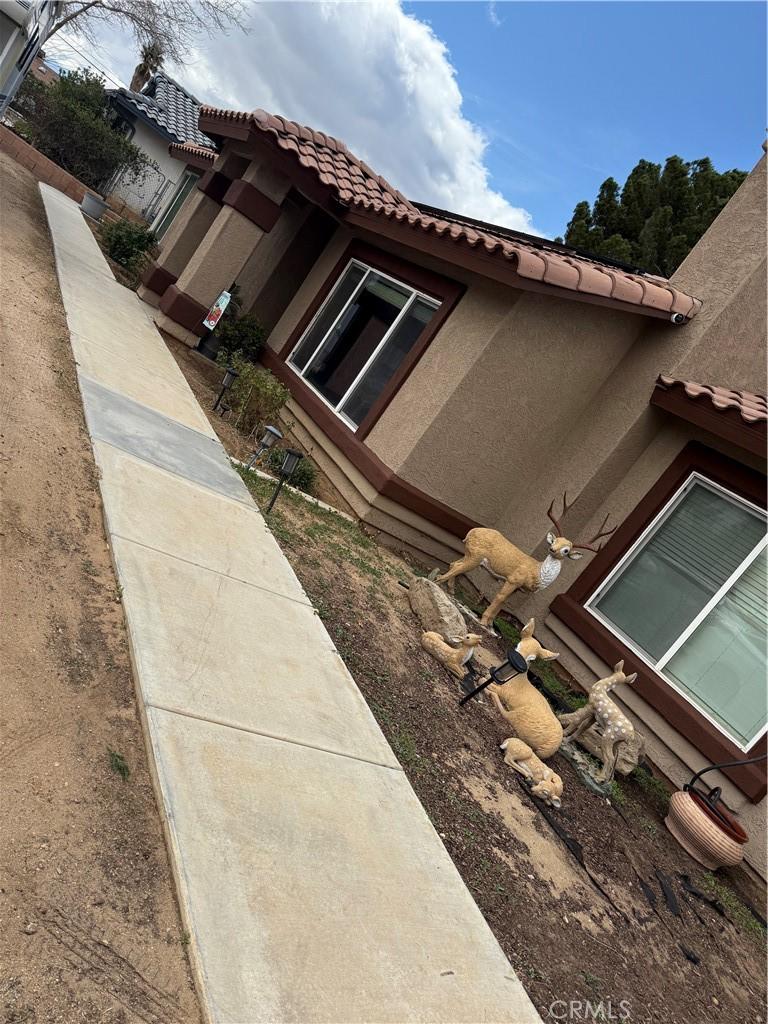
[567,939]
[90,927]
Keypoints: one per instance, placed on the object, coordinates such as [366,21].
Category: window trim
[414,296]
[658,665]
[434,287]
[569,607]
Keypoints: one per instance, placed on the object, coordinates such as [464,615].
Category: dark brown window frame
[444,289]
[570,609]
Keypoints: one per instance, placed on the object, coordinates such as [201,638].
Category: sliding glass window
[359,338]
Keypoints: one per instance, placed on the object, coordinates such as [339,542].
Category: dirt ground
[572,934]
[90,927]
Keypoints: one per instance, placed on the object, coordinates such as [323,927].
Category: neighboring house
[43,72]
[162,113]
[447,373]
[24,27]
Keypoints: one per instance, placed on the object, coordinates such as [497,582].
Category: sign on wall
[214,313]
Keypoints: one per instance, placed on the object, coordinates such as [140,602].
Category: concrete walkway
[312,883]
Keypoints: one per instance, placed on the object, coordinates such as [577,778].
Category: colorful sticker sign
[214,313]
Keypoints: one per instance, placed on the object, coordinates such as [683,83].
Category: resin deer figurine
[455,659]
[518,570]
[523,707]
[614,725]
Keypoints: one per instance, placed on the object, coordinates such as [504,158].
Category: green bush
[303,476]
[72,123]
[256,397]
[242,335]
[127,243]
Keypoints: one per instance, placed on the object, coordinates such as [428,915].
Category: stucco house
[448,373]
[160,119]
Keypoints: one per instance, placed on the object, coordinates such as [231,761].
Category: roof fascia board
[725,424]
[458,254]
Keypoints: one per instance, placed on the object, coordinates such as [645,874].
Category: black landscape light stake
[514,664]
[271,434]
[290,462]
[230,375]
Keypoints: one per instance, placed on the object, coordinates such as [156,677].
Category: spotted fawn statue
[518,570]
[615,727]
[455,659]
[523,707]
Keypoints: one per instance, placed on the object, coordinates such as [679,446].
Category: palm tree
[152,57]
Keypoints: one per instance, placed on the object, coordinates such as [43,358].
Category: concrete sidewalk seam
[211,720]
[216,572]
[253,507]
[121,394]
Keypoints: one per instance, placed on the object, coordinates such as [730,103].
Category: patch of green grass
[653,788]
[403,743]
[591,979]
[617,794]
[184,939]
[739,914]
[118,764]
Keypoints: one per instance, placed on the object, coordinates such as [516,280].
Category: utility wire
[90,60]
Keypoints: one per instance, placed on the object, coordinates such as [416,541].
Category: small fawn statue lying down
[615,727]
[454,659]
[522,706]
[545,784]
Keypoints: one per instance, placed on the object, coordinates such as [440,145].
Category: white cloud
[367,73]
[493,15]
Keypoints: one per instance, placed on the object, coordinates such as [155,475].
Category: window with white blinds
[690,599]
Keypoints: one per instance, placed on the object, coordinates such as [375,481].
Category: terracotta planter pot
[696,828]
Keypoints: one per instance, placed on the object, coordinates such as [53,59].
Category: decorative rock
[435,610]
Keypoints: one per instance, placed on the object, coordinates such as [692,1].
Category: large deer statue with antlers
[518,570]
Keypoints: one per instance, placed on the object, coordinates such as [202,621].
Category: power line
[90,60]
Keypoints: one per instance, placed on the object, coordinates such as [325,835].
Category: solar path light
[230,376]
[290,462]
[512,666]
[271,434]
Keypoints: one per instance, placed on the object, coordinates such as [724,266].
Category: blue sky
[570,93]
[510,112]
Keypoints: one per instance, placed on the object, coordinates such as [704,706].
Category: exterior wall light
[230,375]
[271,434]
[512,666]
[290,462]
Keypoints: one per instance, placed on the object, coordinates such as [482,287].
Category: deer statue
[455,659]
[523,707]
[518,570]
[614,725]
[545,784]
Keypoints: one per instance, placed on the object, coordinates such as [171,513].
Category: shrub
[256,397]
[71,122]
[303,476]
[127,243]
[243,335]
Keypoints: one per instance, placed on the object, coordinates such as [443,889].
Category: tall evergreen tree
[657,217]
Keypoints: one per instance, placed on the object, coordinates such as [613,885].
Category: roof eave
[477,260]
[727,425]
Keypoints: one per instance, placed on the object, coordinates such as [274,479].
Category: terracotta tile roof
[359,188]
[749,407]
[182,149]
